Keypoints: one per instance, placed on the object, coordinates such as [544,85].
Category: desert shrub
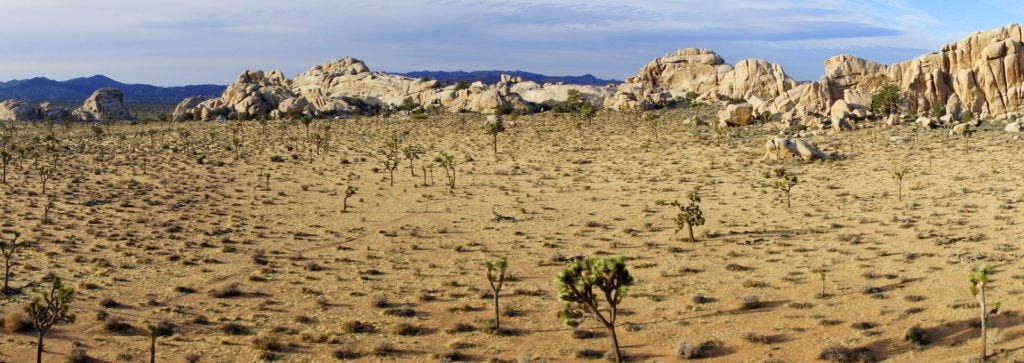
[917,335]
[16,322]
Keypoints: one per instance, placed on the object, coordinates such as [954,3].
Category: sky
[212,41]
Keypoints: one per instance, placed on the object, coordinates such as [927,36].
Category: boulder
[1014,127]
[839,110]
[106,104]
[961,129]
[781,148]
[53,113]
[893,120]
[187,108]
[736,115]
[12,110]
[927,122]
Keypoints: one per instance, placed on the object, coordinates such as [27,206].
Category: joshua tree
[5,160]
[689,215]
[45,172]
[496,278]
[576,285]
[266,180]
[7,249]
[899,174]
[349,192]
[392,153]
[306,121]
[822,295]
[48,309]
[448,163]
[978,280]
[785,182]
[495,128]
[411,154]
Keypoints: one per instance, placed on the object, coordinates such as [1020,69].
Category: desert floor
[150,221]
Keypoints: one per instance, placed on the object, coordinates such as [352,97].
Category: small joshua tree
[494,128]
[46,210]
[448,163]
[45,173]
[349,192]
[689,215]
[306,121]
[822,295]
[576,287]
[785,181]
[978,280]
[7,249]
[496,278]
[49,309]
[899,174]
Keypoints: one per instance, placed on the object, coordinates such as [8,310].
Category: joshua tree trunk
[690,228]
[497,316]
[789,202]
[392,172]
[495,143]
[7,277]
[152,348]
[615,343]
[899,190]
[984,323]
[39,346]
[344,205]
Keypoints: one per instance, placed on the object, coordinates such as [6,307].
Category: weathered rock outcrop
[347,85]
[185,109]
[106,104]
[781,148]
[983,73]
[12,110]
[700,73]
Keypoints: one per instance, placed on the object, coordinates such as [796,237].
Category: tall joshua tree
[689,215]
[979,280]
[494,128]
[49,309]
[448,163]
[585,283]
[7,249]
[496,278]
[899,174]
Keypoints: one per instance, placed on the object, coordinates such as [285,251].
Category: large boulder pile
[700,73]
[105,104]
[13,110]
[348,86]
[983,73]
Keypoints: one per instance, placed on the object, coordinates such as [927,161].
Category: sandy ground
[148,220]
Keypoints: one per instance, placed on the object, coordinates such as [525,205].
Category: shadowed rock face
[983,73]
[348,85]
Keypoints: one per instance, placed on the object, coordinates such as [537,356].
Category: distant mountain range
[78,89]
[491,77]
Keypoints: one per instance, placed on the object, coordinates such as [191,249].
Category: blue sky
[211,41]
